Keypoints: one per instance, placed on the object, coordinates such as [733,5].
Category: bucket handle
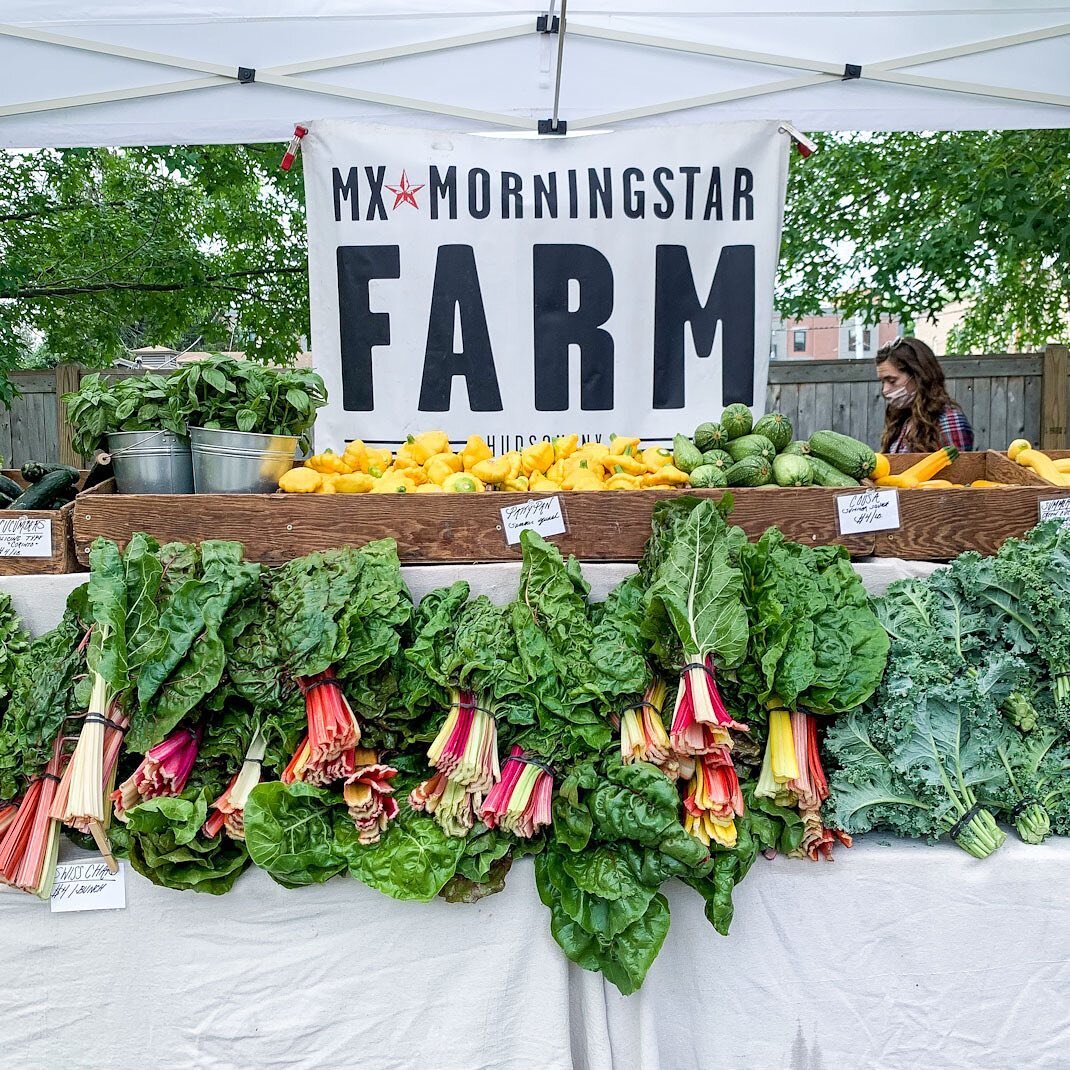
[105,458]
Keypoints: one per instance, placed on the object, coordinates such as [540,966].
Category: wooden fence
[1005,396]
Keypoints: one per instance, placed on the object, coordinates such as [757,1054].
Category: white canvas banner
[522,288]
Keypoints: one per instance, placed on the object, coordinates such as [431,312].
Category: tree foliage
[104,250]
[904,224]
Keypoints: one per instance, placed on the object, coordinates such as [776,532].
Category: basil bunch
[102,405]
[219,393]
[239,395]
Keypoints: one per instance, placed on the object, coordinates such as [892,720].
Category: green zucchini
[710,436]
[798,448]
[685,455]
[9,488]
[35,471]
[751,445]
[43,493]
[708,475]
[751,471]
[776,427]
[791,471]
[850,456]
[826,475]
[736,421]
[718,458]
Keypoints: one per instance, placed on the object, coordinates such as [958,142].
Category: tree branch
[145,287]
[55,209]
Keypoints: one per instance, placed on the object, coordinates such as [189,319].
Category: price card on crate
[868,510]
[1055,509]
[542,515]
[25,536]
[88,885]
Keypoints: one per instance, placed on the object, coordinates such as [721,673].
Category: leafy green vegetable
[241,395]
[695,589]
[413,859]
[164,843]
[42,696]
[289,831]
[105,404]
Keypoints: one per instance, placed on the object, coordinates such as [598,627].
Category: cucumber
[850,456]
[751,445]
[718,458]
[43,493]
[750,471]
[685,455]
[798,448]
[710,436]
[9,488]
[708,475]
[35,471]
[789,471]
[736,421]
[825,475]
[776,427]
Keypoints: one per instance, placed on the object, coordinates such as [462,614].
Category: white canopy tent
[114,72]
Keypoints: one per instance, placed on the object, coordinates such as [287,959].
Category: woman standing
[920,417]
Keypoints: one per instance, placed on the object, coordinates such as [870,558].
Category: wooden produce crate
[439,528]
[940,523]
[46,534]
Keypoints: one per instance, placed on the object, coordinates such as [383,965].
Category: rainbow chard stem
[163,771]
[701,720]
[332,725]
[520,801]
[642,732]
[713,799]
[465,755]
[229,808]
[369,795]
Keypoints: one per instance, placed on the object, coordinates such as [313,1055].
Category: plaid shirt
[955,431]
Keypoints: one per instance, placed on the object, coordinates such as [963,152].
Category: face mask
[901,398]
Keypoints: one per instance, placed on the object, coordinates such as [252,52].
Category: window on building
[798,341]
[867,339]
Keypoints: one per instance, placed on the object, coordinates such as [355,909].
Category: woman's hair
[914,357]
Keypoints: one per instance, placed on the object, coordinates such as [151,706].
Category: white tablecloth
[894,957]
[897,955]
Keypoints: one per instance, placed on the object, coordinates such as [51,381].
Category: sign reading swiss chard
[522,288]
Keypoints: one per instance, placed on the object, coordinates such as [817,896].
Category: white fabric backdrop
[514,78]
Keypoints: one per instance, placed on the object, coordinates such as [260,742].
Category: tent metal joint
[553,126]
[547,24]
[851,71]
[246,75]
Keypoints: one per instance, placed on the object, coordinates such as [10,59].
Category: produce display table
[896,955]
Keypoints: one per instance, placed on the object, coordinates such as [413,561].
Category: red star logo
[404,193]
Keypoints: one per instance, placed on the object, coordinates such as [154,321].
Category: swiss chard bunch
[239,395]
[105,404]
[816,646]
[466,650]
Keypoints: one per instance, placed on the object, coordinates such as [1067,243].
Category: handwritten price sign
[542,515]
[1055,509]
[869,510]
[88,885]
[25,536]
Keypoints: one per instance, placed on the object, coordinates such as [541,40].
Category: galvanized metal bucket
[151,462]
[240,462]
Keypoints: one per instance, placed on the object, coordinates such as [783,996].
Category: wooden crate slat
[605,526]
